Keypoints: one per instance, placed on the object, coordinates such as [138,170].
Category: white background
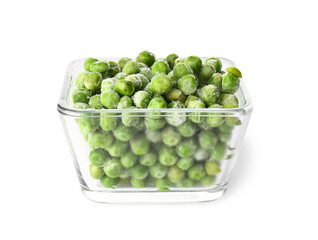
[273,191]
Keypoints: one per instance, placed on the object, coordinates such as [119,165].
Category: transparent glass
[74,120]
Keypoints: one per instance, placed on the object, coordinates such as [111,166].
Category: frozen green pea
[80,80]
[170,136]
[124,102]
[208,181]
[175,174]
[215,62]
[157,103]
[181,70]
[80,105]
[226,128]
[139,145]
[109,99]
[130,68]
[212,167]
[149,90]
[215,120]
[148,159]
[234,71]
[206,73]
[88,124]
[94,102]
[144,80]
[129,159]
[140,125]
[118,148]
[123,61]
[124,180]
[109,182]
[173,79]
[129,119]
[201,154]
[233,121]
[146,72]
[153,136]
[141,99]
[108,84]
[225,137]
[100,139]
[138,183]
[158,171]
[113,168]
[99,66]
[219,151]
[98,157]
[146,57]
[81,95]
[163,183]
[186,147]
[161,83]
[176,95]
[96,172]
[125,87]
[108,121]
[124,173]
[113,69]
[138,171]
[185,183]
[209,94]
[167,156]
[204,126]
[176,118]
[196,117]
[123,133]
[189,99]
[120,76]
[207,139]
[160,66]
[88,62]
[187,129]
[216,80]
[154,123]
[230,83]
[196,172]
[187,84]
[141,65]
[185,163]
[136,80]
[171,59]
[194,62]
[229,100]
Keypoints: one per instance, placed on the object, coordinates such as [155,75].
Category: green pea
[88,62]
[96,172]
[81,95]
[216,80]
[140,125]
[178,60]
[109,182]
[154,124]
[146,57]
[185,183]
[123,61]
[139,145]
[201,154]
[88,124]
[215,120]
[196,117]
[230,83]
[141,99]
[204,126]
[207,139]
[136,80]
[208,181]
[167,156]
[144,80]
[194,62]
[124,102]
[80,80]
[108,84]
[187,84]
[138,171]
[163,184]
[225,137]
[206,73]
[157,103]
[158,171]
[130,68]
[149,90]
[98,157]
[175,95]
[108,121]
[138,183]
[175,174]
[113,69]
[113,168]
[99,66]
[185,163]
[141,65]
[124,180]
[100,139]
[181,70]
[153,136]
[219,151]
[146,72]
[233,121]
[118,148]
[128,119]
[229,100]
[176,118]
[186,147]
[187,129]
[160,66]
[212,167]
[226,128]
[148,159]
[196,172]
[94,102]
[173,79]
[120,76]
[170,136]
[209,94]
[124,174]
[191,98]
[123,133]
[129,159]
[110,99]
[171,59]
[215,62]
[125,87]
[234,71]
[161,83]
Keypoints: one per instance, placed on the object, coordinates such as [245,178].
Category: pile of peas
[163,151]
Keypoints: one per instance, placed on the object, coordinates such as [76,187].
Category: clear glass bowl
[80,149]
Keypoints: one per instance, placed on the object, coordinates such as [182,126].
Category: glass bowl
[79,124]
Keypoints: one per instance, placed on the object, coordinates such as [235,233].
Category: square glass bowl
[215,161]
